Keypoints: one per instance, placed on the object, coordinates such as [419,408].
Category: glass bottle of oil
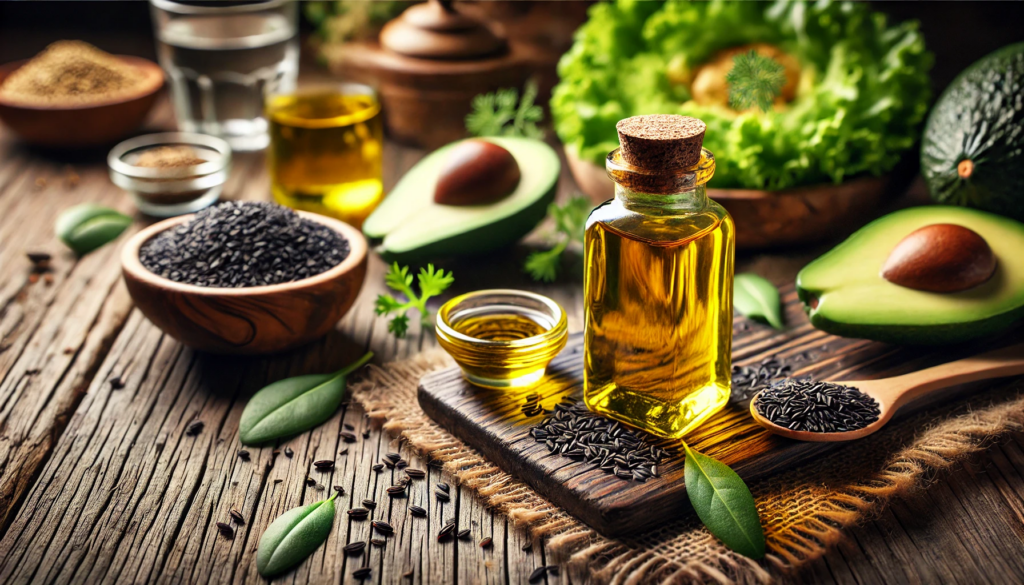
[658,283]
[325,151]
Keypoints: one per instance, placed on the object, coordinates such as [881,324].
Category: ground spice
[71,73]
[165,157]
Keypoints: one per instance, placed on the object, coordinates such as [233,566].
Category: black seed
[446,531]
[243,454]
[226,530]
[288,452]
[441,496]
[417,511]
[537,574]
[553,569]
[388,463]
[368,503]
[462,534]
[401,464]
[361,573]
[194,428]
[394,457]
[340,490]
[324,465]
[366,434]
[358,513]
[240,244]
[237,517]
[382,527]
[528,546]
[486,542]
[396,490]
[443,487]
[378,541]
[116,383]
[348,436]
[378,467]
[414,473]
[354,547]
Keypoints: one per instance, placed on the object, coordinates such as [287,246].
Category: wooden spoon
[892,393]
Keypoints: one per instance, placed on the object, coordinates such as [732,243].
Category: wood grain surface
[492,421]
[101,485]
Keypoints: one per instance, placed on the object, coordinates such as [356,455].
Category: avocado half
[408,227]
[972,150]
[844,293]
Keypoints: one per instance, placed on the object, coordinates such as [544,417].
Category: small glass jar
[167,190]
[502,338]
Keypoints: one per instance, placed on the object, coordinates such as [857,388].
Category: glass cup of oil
[325,152]
[502,338]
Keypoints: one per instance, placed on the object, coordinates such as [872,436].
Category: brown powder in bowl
[71,73]
[169,157]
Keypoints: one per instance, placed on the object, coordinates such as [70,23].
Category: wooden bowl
[93,124]
[253,320]
[766,219]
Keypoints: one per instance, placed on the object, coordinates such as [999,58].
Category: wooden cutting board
[493,423]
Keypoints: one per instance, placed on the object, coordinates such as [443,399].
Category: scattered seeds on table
[237,517]
[226,530]
[383,527]
[749,380]
[378,467]
[446,531]
[417,511]
[194,428]
[393,457]
[348,436]
[368,503]
[354,547]
[243,454]
[443,487]
[358,513]
[414,473]
[822,407]
[442,496]
[323,465]
[361,573]
[486,542]
[244,243]
[462,534]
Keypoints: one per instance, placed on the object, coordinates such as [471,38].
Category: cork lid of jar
[661,141]
[435,30]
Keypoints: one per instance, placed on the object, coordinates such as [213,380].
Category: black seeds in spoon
[354,547]
[820,407]
[417,511]
[244,243]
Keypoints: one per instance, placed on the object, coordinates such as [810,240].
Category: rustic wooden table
[99,483]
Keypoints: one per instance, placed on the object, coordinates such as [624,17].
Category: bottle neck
[693,200]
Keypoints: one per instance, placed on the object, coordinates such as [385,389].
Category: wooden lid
[661,141]
[434,30]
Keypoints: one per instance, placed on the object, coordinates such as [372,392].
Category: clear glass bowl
[523,332]
[167,191]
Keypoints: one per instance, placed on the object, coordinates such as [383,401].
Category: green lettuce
[863,92]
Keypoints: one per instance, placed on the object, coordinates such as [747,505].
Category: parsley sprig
[431,283]
[504,113]
[755,80]
[570,220]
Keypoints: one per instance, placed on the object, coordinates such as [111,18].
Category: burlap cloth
[804,511]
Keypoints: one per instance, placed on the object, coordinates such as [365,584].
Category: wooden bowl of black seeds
[245,277]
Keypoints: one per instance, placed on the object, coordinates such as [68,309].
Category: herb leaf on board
[293,405]
[293,536]
[724,504]
[755,297]
[504,113]
[431,282]
[755,80]
[86,227]
[570,221]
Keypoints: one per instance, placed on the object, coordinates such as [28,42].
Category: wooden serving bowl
[767,219]
[253,320]
[93,124]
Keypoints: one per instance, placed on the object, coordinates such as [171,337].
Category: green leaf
[293,536]
[724,504]
[386,304]
[294,405]
[86,227]
[399,326]
[433,283]
[755,80]
[570,221]
[398,277]
[543,266]
[755,297]
[504,113]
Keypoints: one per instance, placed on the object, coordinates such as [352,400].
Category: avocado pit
[941,258]
[476,172]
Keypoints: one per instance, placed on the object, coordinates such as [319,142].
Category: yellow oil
[499,327]
[325,153]
[658,295]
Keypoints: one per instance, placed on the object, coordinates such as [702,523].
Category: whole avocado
[972,152]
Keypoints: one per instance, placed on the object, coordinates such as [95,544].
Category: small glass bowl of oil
[502,338]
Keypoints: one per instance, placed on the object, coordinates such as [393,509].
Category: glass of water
[222,59]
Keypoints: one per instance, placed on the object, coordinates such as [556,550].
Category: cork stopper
[661,141]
